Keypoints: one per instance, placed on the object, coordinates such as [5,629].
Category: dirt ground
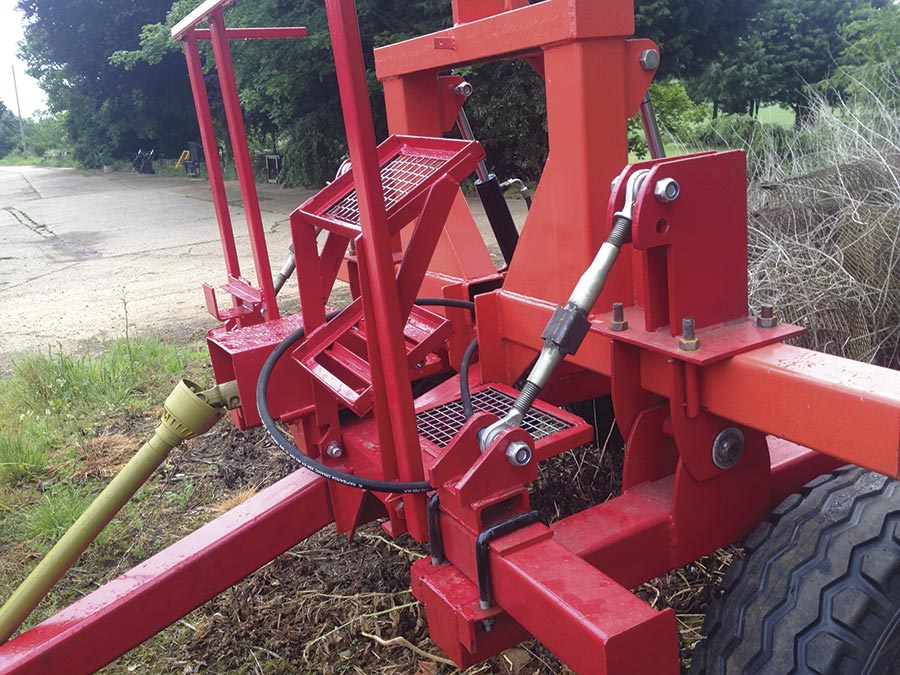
[330,605]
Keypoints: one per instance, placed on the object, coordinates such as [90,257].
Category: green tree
[47,135]
[110,112]
[289,89]
[871,58]
[9,131]
[789,47]
[692,33]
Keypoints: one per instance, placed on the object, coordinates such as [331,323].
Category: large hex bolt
[766,318]
[649,59]
[689,341]
[334,450]
[518,453]
[728,448]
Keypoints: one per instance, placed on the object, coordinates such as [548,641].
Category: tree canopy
[9,131]
[111,112]
[788,46]
[114,68]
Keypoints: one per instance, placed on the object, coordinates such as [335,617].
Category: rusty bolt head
[728,448]
[618,322]
[767,318]
[649,59]
[689,341]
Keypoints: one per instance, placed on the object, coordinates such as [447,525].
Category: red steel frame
[566,584]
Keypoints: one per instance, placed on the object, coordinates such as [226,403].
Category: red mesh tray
[410,165]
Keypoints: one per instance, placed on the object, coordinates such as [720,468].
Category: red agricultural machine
[628,281]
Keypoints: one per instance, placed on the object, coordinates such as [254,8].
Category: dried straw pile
[825,231]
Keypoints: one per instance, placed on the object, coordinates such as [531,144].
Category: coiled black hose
[287,446]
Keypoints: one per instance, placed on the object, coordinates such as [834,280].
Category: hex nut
[618,323]
[334,451]
[666,190]
[518,453]
[767,318]
[687,345]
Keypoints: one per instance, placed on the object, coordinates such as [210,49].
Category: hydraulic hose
[287,446]
[189,412]
[465,396]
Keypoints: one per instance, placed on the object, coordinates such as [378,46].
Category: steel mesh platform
[399,177]
[439,425]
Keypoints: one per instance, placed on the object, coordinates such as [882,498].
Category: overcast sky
[30,95]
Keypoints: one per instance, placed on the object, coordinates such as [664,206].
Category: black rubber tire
[819,588]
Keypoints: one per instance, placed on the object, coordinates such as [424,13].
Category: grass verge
[67,423]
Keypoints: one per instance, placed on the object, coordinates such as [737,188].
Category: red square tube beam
[394,403]
[208,139]
[591,622]
[238,133]
[844,408]
[520,30]
[128,610]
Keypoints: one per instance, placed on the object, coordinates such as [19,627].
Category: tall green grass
[89,387]
[23,458]
[51,406]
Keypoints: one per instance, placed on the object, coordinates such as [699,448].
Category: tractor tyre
[818,590]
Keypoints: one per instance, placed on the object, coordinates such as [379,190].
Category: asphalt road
[79,248]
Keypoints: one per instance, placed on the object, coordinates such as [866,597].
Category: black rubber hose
[287,446]
[464,395]
[445,302]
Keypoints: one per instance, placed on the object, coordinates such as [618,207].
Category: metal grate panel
[399,177]
[439,425]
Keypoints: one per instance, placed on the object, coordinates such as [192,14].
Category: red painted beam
[287,33]
[120,615]
[521,30]
[844,408]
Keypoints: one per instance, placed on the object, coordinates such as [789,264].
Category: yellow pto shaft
[189,412]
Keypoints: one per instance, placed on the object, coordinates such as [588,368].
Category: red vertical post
[238,134]
[399,431]
[210,149]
